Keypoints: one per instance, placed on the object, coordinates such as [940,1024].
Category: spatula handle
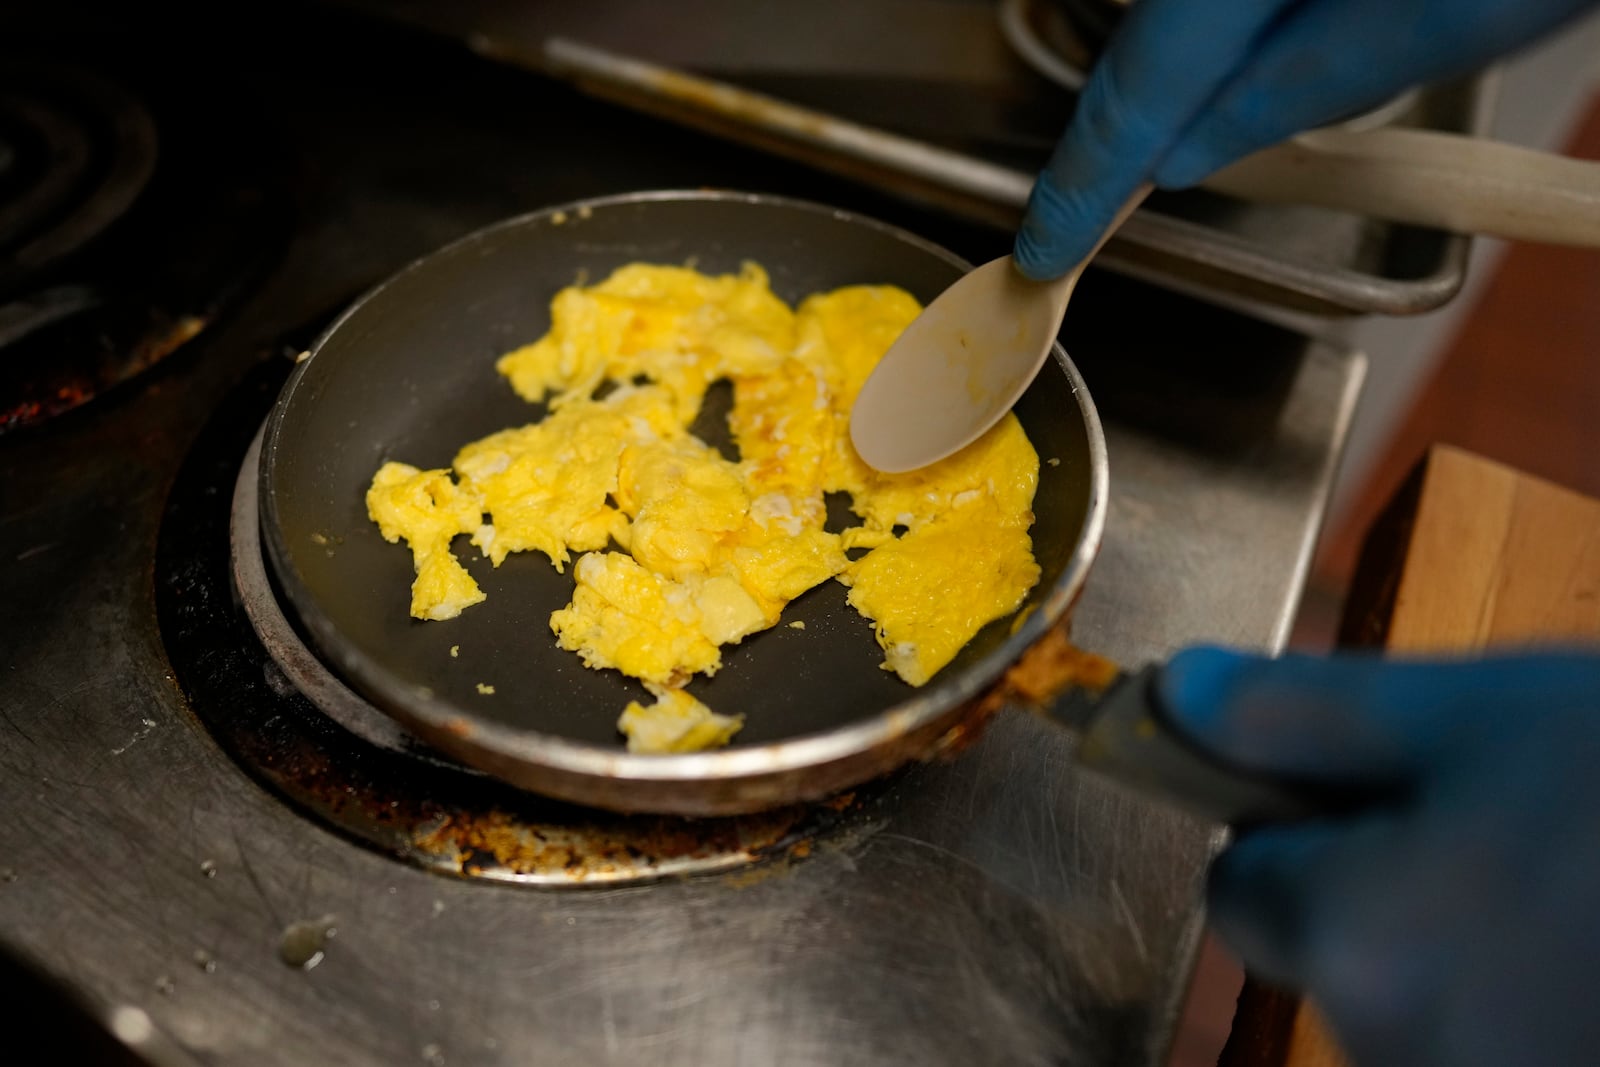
[1061,288]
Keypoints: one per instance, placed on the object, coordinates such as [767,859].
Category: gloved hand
[1456,925]
[1186,87]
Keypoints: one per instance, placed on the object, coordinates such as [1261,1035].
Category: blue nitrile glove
[1186,87]
[1457,924]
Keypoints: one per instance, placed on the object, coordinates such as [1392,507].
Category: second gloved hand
[1458,923]
[1189,86]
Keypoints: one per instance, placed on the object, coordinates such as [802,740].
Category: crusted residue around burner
[612,849]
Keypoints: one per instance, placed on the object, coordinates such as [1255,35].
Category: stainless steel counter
[998,908]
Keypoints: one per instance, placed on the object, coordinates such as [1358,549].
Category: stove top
[211,868]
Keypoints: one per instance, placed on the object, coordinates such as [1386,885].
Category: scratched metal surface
[1001,908]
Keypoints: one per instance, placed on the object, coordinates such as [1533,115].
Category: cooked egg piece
[777,568]
[649,626]
[693,518]
[843,334]
[623,616]
[931,590]
[686,503]
[673,325]
[546,485]
[676,722]
[965,558]
[999,469]
[784,425]
[427,509]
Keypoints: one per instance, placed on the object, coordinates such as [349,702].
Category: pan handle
[1428,178]
[1129,737]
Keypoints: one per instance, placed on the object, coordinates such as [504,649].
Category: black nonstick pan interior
[408,374]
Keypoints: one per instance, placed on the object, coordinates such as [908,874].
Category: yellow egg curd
[681,551]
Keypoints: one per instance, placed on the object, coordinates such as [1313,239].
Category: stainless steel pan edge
[730,781]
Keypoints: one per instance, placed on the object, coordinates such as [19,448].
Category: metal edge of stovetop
[1279,256]
[1200,253]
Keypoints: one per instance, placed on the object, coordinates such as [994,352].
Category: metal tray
[938,80]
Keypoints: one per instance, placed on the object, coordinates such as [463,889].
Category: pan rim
[443,720]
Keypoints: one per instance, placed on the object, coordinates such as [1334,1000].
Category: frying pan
[407,373]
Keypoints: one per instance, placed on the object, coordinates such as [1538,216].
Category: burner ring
[99,148]
[64,150]
[118,248]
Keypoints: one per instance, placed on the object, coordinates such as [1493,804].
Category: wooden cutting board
[1471,554]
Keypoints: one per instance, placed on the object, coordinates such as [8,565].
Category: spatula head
[958,368]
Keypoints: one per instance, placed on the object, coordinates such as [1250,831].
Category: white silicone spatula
[962,363]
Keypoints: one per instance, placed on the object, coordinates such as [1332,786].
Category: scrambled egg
[676,722]
[680,552]
[428,509]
